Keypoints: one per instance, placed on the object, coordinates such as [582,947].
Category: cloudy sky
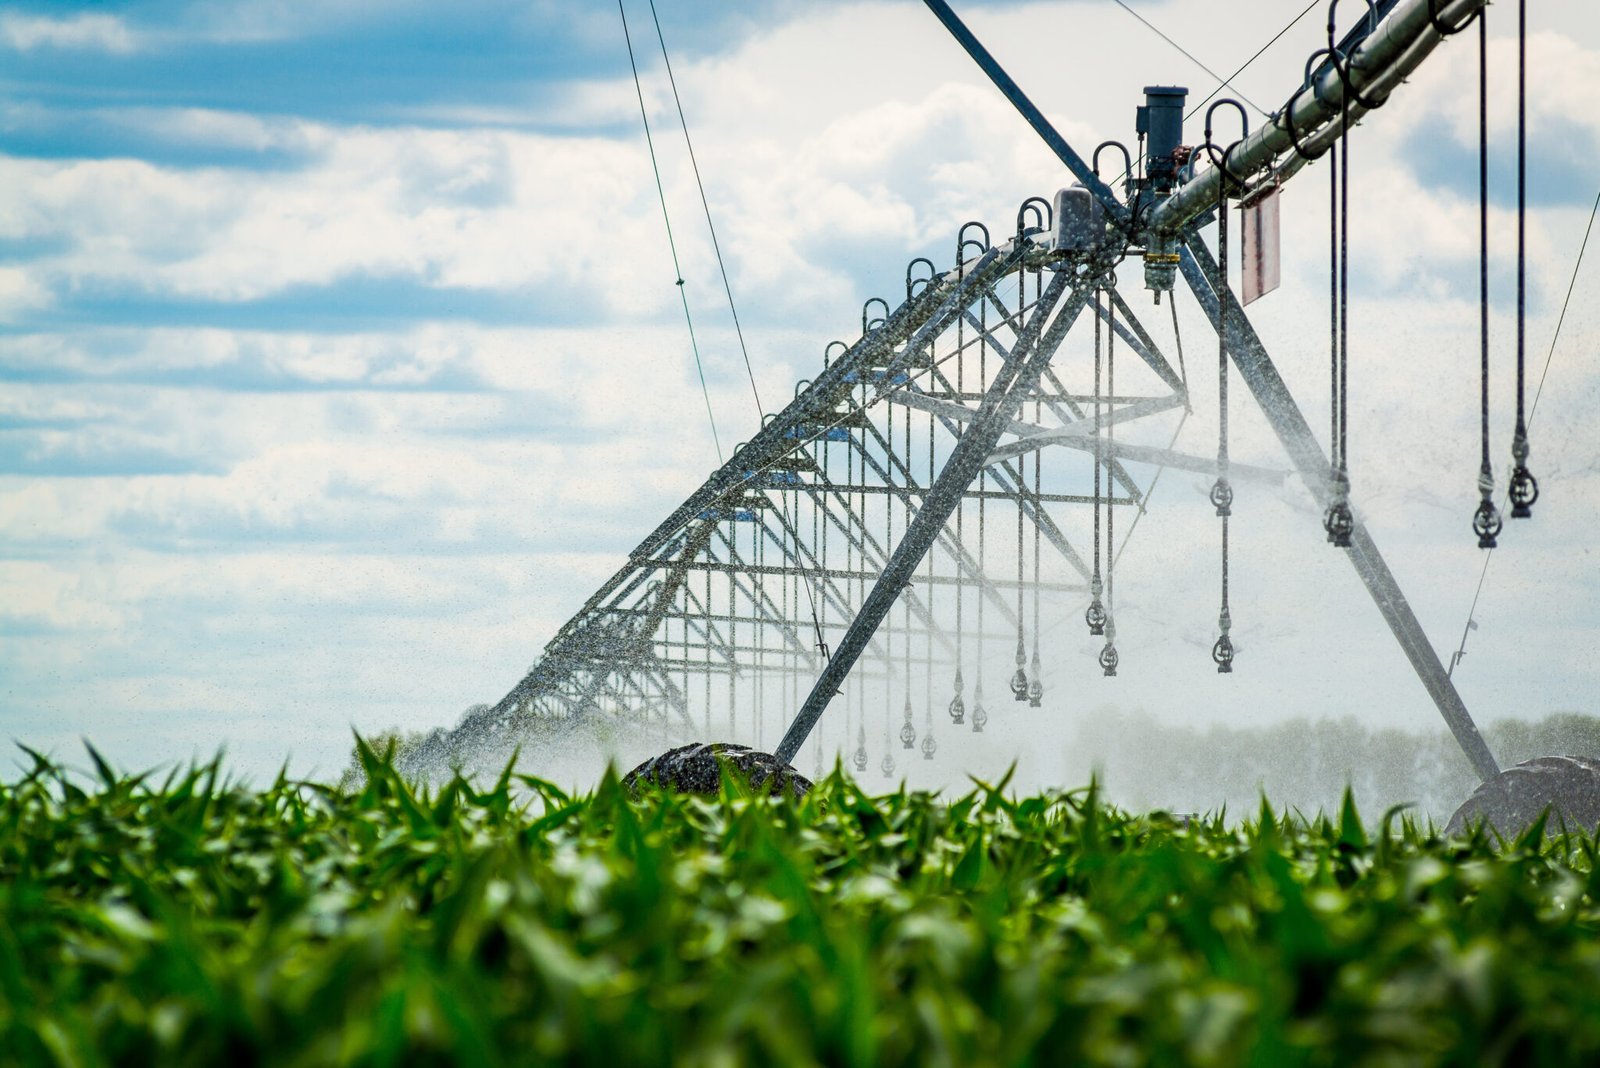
[340,357]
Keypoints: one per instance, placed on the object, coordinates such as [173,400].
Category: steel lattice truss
[720,619]
[891,540]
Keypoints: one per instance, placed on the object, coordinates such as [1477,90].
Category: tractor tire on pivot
[697,769]
[1569,786]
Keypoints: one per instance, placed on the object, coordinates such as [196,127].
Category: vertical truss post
[1270,392]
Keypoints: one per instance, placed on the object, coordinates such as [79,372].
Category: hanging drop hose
[708,652]
[733,654]
[980,716]
[857,473]
[1036,683]
[1339,521]
[1222,491]
[908,732]
[1486,520]
[958,705]
[1524,487]
[928,744]
[887,764]
[1019,679]
[1333,334]
[1341,534]
[1095,614]
[1108,654]
[818,523]
[888,616]
[819,538]
[758,531]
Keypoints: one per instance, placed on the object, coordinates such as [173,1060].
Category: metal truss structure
[889,543]
[726,614]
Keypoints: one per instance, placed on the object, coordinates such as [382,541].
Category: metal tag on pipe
[1261,245]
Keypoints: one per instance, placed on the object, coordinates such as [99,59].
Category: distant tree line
[1145,763]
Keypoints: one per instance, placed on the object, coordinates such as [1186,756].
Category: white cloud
[89,32]
[34,593]
[256,21]
[211,128]
[20,293]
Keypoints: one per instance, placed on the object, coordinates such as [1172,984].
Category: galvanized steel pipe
[1396,47]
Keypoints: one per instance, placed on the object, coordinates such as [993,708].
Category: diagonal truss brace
[1019,375]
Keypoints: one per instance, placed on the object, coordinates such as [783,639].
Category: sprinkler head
[1222,653]
[1486,523]
[1339,524]
[1222,497]
[1524,491]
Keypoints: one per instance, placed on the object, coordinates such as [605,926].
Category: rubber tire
[1568,785]
[696,769]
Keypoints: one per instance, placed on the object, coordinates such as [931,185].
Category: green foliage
[193,921]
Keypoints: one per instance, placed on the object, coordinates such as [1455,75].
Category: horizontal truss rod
[1011,497]
[717,567]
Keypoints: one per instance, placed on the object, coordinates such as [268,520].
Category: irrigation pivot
[954,475]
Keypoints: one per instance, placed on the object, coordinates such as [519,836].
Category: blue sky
[340,360]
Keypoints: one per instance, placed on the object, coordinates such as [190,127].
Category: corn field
[189,919]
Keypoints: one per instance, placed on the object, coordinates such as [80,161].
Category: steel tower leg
[1270,392]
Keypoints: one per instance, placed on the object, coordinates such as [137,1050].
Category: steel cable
[667,218]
